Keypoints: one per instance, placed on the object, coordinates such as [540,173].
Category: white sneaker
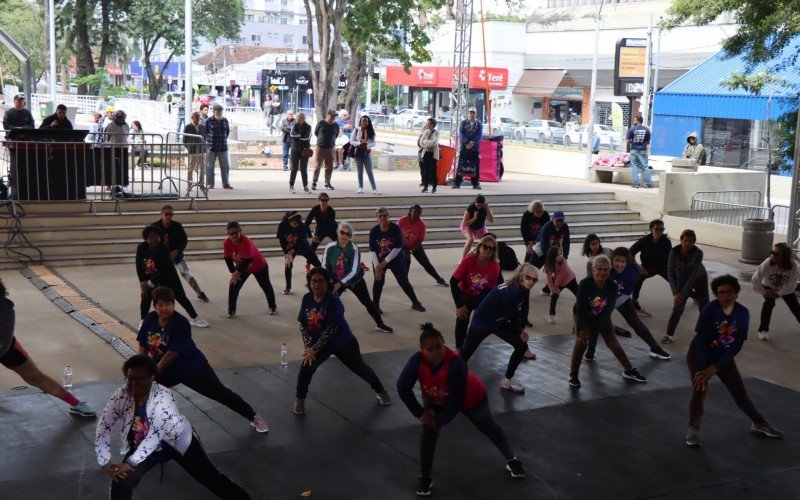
[141,321]
[511,384]
[376,191]
[360,191]
[199,322]
[259,424]
[551,319]
[763,336]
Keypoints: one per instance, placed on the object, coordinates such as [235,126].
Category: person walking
[595,302]
[325,332]
[57,120]
[275,112]
[174,236]
[217,131]
[639,141]
[14,357]
[166,336]
[153,431]
[776,278]
[299,152]
[342,259]
[719,335]
[559,277]
[429,154]
[473,224]
[293,237]
[138,143]
[326,132]
[243,258]
[413,228]
[155,267]
[469,158]
[324,216]
[181,120]
[503,313]
[654,249]
[286,141]
[194,140]
[531,223]
[362,141]
[447,388]
[687,278]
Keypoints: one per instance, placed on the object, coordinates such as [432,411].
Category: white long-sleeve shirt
[355,139]
[773,277]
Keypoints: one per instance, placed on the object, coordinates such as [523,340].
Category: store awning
[539,82]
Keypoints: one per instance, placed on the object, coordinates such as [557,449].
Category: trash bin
[45,109]
[447,156]
[757,239]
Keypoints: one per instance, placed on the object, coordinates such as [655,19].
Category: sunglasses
[345,233]
[488,247]
[530,278]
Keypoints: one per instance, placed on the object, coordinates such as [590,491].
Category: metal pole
[646,90]
[658,59]
[592,93]
[52,37]
[792,233]
[187,48]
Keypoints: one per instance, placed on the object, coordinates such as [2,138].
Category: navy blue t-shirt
[719,336]
[504,301]
[639,135]
[317,317]
[383,242]
[626,280]
[175,336]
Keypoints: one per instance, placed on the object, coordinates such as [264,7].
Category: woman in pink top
[243,259]
[559,276]
[413,228]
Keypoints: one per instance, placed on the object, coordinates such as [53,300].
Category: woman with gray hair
[530,225]
[592,314]
[503,312]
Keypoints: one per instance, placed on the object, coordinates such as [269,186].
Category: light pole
[187,77]
[592,91]
[52,37]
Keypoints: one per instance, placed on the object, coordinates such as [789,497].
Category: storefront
[553,95]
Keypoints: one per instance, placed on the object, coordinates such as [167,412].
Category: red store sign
[442,76]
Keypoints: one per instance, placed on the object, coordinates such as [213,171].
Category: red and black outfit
[469,284]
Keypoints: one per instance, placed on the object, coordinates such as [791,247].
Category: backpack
[508,258]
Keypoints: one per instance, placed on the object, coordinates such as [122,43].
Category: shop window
[727,142]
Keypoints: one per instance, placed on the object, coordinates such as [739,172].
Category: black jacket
[654,256]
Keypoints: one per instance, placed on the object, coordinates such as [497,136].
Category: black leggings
[206,383]
[196,462]
[628,311]
[359,289]
[428,166]
[311,258]
[180,297]
[572,286]
[262,277]
[475,337]
[422,258]
[322,235]
[769,304]
[700,293]
[401,276]
[298,162]
[463,324]
[638,288]
[481,417]
[350,356]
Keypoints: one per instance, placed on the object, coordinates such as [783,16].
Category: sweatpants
[400,274]
[606,330]
[350,356]
[262,277]
[475,337]
[422,258]
[206,383]
[572,286]
[769,304]
[628,311]
[699,292]
[359,289]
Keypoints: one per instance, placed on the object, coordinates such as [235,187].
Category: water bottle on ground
[68,377]
[284,354]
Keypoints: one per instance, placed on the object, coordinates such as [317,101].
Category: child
[559,276]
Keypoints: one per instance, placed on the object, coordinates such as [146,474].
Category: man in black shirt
[326,133]
[18,116]
[654,249]
[57,120]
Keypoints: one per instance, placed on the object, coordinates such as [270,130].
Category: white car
[409,118]
[609,137]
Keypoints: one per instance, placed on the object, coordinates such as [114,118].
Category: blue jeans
[285,157]
[224,167]
[639,160]
[365,162]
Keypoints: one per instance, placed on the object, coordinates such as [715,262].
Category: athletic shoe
[528,324]
[361,191]
[514,466]
[659,353]
[376,191]
[529,354]
[551,319]
[299,407]
[692,439]
[763,335]
[442,282]
[285,168]
[634,375]
[314,185]
[766,430]
[307,191]
[291,189]
[82,409]
[199,322]
[424,190]
[545,291]
[478,187]
[511,384]
[141,322]
[202,297]
[329,186]
[383,327]
[573,381]
[273,311]
[227,186]
[589,358]
[621,332]
[643,313]
[231,315]
[383,398]
[433,191]
[668,339]
[287,291]
[418,307]
[259,424]
[456,186]
[424,486]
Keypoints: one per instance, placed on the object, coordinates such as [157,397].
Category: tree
[328,16]
[24,22]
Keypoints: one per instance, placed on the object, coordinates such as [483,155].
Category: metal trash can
[757,239]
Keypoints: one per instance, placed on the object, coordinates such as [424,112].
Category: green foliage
[94,82]
[24,22]
[754,83]
[784,138]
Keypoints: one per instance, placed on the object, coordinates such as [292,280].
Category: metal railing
[733,207]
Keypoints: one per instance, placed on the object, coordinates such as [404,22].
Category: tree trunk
[83,49]
[356,73]
[105,26]
[329,16]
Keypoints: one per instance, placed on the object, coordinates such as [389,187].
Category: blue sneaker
[83,410]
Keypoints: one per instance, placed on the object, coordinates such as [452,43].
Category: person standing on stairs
[293,237]
[175,238]
[325,217]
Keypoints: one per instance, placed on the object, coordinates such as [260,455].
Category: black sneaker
[621,332]
[442,282]
[589,358]
[329,186]
[418,307]
[659,353]
[202,297]
[633,374]
[273,311]
[383,327]
[528,324]
[424,486]
[314,185]
[514,466]
[456,186]
[287,291]
[478,187]
[573,381]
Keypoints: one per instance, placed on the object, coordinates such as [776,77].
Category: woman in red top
[447,387]
[475,276]
[244,259]
[413,228]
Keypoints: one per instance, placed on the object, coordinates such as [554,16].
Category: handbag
[347,150]
[307,153]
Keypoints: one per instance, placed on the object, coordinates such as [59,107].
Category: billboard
[629,66]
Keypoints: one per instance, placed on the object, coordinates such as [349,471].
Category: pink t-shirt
[561,277]
[413,232]
[473,279]
[244,250]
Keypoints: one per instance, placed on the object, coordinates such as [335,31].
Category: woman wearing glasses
[325,217]
[293,237]
[243,259]
[776,278]
[654,249]
[503,313]
[326,332]
[342,260]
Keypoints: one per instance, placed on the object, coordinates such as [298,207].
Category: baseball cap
[19,97]
[110,108]
[558,214]
[472,110]
[216,106]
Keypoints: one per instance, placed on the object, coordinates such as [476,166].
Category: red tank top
[435,388]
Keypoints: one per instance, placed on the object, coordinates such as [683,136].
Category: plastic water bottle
[68,377]
[284,354]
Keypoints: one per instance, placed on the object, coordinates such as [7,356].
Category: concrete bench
[387,161]
[622,175]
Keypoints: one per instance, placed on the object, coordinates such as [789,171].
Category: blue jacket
[471,132]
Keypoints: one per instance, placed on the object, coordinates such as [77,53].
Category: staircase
[77,233]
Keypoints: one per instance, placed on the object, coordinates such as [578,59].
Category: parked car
[609,137]
[379,113]
[409,118]
[540,131]
[501,125]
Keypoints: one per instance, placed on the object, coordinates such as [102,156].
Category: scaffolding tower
[462,49]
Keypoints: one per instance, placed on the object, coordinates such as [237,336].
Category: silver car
[540,131]
[409,118]
[502,126]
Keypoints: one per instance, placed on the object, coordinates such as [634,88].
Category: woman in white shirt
[362,140]
[776,278]
[429,154]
